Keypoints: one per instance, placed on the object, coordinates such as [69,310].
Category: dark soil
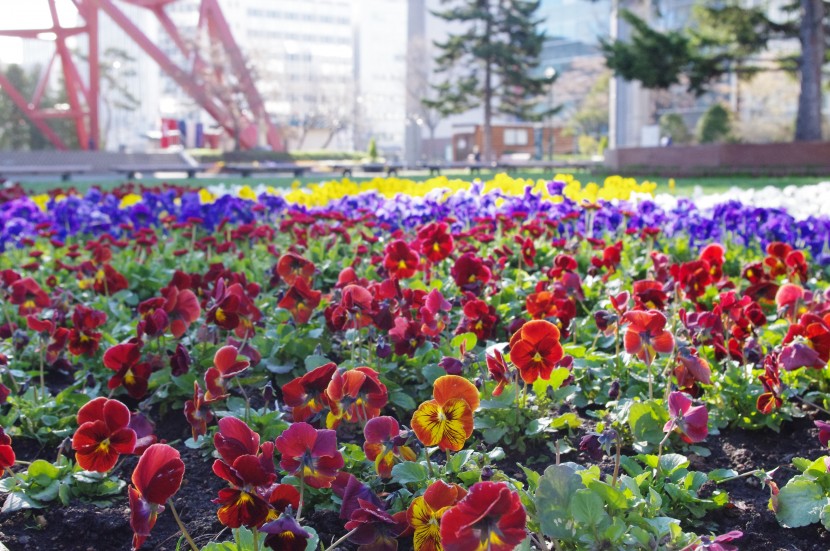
[85,527]
[748,511]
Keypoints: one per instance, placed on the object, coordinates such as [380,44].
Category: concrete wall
[779,158]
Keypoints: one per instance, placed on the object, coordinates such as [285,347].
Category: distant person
[475,156]
[665,141]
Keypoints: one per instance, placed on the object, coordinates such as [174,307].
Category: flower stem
[178,520]
[662,442]
[617,461]
[247,401]
[429,464]
[742,475]
[302,495]
[341,540]
[811,404]
[518,408]
[42,372]
[14,475]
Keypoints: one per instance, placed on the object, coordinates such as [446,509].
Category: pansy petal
[448,387]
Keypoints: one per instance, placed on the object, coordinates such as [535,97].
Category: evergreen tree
[715,125]
[727,37]
[491,62]
[673,126]
[15,129]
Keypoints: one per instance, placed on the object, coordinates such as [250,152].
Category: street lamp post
[550,74]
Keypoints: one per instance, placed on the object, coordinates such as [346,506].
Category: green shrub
[715,126]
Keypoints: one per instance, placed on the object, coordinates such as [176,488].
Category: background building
[336,74]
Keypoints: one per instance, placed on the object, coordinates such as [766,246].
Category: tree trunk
[811,34]
[429,151]
[301,137]
[332,133]
[487,144]
[329,138]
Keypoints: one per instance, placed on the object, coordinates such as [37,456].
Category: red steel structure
[219,81]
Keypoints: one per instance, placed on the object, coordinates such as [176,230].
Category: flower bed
[456,365]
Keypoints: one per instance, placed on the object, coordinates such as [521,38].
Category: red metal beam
[83,95]
[219,25]
[89,11]
[71,77]
[29,112]
[43,82]
[182,78]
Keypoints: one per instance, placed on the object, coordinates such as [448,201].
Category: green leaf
[469,339]
[244,539]
[224,546]
[17,501]
[663,525]
[587,507]
[646,420]
[43,471]
[532,478]
[525,545]
[402,400]
[537,425]
[575,350]
[491,436]
[314,541]
[801,463]
[570,420]
[800,503]
[557,487]
[616,531]
[496,454]
[64,494]
[557,377]
[722,474]
[48,493]
[470,477]
[280,369]
[459,459]
[314,361]
[670,462]
[409,472]
[825,517]
[700,450]
[612,496]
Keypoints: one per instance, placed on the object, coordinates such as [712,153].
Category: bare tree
[420,87]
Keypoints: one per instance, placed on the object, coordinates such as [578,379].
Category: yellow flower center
[537,357]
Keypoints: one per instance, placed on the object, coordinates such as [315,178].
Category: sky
[32,14]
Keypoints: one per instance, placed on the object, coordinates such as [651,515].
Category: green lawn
[683,186]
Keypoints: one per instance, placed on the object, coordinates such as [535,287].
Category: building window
[516,136]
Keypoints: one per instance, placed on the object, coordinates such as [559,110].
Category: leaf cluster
[582,509]
[44,482]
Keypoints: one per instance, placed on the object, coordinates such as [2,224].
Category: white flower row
[799,201]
